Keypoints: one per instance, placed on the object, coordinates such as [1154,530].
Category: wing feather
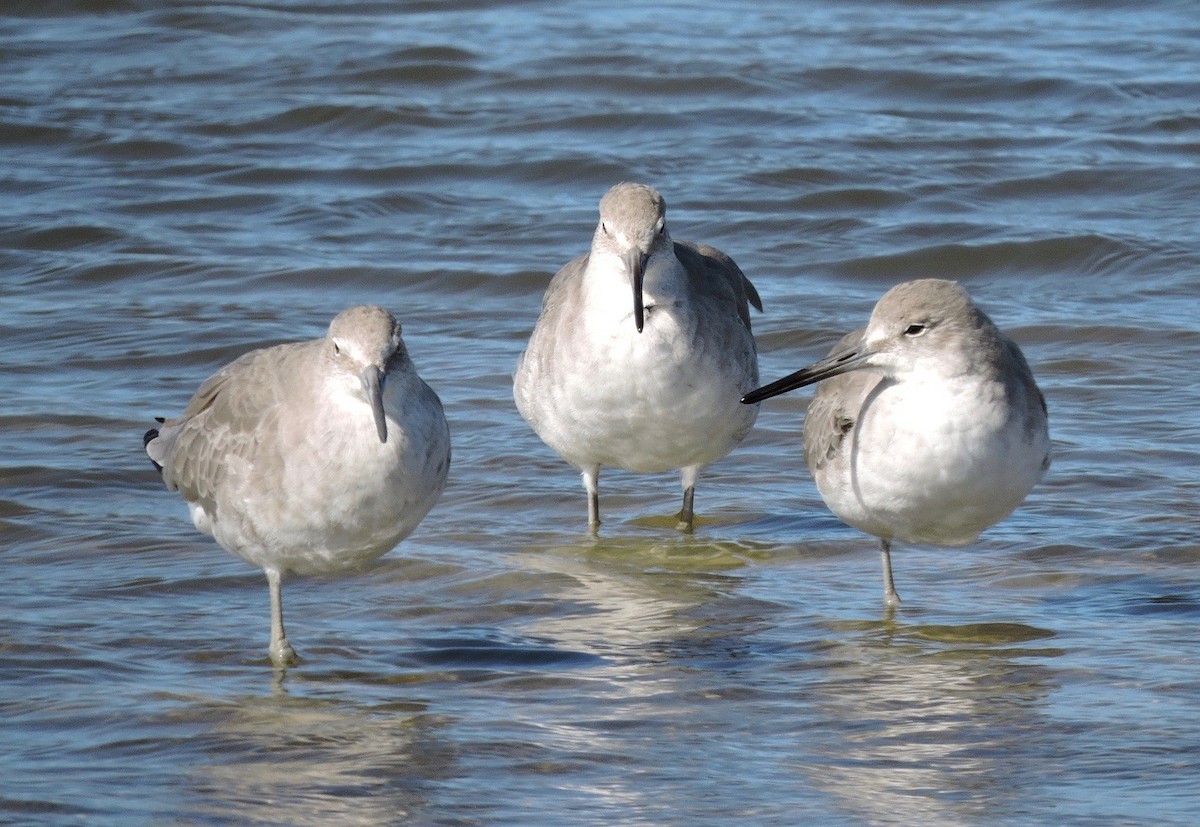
[223,421]
[717,277]
[834,410]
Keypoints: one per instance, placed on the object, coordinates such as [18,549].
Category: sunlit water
[182,184]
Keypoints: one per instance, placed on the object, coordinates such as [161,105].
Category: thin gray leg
[591,481]
[687,514]
[282,653]
[889,587]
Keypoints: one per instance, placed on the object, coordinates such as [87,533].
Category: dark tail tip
[150,436]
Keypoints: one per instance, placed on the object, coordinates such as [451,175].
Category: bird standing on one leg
[310,457]
[641,353]
[927,426]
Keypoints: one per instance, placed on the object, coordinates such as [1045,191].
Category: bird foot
[283,655]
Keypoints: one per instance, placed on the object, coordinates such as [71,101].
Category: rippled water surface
[183,182]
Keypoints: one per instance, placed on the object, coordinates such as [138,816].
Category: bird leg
[687,514]
[890,597]
[282,653]
[591,481]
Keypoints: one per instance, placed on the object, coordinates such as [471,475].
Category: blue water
[182,184]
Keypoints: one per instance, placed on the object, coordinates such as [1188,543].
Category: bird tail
[149,437]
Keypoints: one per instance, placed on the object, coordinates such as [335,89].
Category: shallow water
[182,185]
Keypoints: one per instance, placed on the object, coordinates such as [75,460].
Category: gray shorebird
[309,457]
[927,425]
[642,352]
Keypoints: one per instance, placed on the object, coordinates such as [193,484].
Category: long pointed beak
[372,381]
[635,262]
[843,361]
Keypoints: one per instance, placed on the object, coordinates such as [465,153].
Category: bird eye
[660,229]
[914,330]
[604,228]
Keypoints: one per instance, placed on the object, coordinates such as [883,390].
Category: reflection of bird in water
[927,724]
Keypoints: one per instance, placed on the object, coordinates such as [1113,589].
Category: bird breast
[934,462]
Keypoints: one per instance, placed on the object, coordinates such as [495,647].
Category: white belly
[662,399]
[926,465]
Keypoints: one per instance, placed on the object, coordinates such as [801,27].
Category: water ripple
[186,182]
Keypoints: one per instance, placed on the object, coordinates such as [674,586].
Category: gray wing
[835,409]
[224,420]
[1032,391]
[717,275]
[536,361]
[564,284]
[1036,413]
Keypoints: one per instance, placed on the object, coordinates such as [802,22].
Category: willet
[310,457]
[641,353]
[940,433]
